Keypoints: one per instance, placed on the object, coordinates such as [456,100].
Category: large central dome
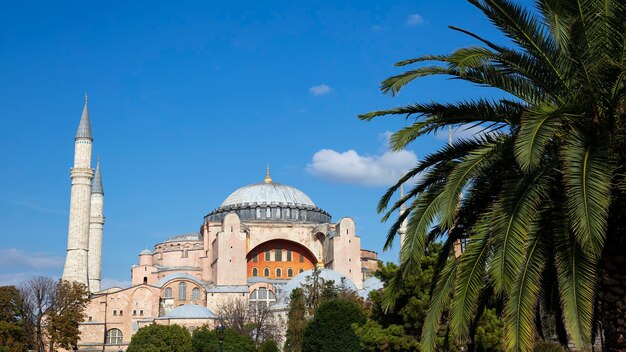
[269,201]
[268,193]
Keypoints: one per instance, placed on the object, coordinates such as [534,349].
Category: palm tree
[544,185]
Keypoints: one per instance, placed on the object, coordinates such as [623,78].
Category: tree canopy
[331,328]
[161,338]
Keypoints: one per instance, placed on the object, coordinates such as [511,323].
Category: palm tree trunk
[612,297]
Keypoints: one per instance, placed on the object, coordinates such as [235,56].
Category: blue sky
[190,100]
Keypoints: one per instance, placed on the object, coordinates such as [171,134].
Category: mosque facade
[263,240]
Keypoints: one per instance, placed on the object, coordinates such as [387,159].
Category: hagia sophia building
[264,240]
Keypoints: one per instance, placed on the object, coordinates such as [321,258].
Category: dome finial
[268,179]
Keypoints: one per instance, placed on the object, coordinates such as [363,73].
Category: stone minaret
[80,199]
[402,229]
[95,231]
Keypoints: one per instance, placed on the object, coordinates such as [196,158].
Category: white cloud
[108,282]
[17,258]
[414,19]
[366,170]
[320,89]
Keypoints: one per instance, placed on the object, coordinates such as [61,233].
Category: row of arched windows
[182,292]
[279,272]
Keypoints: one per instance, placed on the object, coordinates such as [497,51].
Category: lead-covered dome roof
[270,201]
[268,193]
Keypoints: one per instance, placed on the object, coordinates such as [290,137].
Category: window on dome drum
[290,272]
[113,337]
[268,212]
[168,293]
[287,213]
[278,254]
[255,258]
[266,272]
[195,294]
[182,291]
[258,213]
[288,255]
[278,213]
[279,272]
[255,272]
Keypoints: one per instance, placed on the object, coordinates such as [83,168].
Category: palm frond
[515,210]
[439,301]
[576,277]
[587,179]
[470,280]
[539,125]
[520,307]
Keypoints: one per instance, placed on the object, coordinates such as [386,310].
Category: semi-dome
[270,201]
[268,193]
[191,311]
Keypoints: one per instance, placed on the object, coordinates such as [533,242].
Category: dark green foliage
[489,333]
[548,346]
[161,338]
[269,346]
[375,338]
[205,340]
[296,321]
[12,336]
[331,329]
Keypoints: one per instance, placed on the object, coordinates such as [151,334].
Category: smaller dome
[191,311]
[302,278]
[185,237]
[146,252]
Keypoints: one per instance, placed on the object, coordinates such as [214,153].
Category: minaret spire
[84,127]
[268,179]
[96,224]
[76,261]
[96,187]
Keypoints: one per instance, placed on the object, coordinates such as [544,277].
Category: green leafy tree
[269,346]
[296,321]
[64,314]
[331,329]
[205,340]
[12,322]
[544,185]
[161,338]
[375,338]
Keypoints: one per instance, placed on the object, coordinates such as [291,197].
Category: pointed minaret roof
[84,127]
[96,186]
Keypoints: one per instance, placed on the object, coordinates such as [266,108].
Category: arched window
[182,291]
[268,213]
[279,272]
[255,272]
[300,271]
[195,294]
[145,279]
[113,337]
[290,272]
[168,293]
[258,213]
[266,272]
[263,295]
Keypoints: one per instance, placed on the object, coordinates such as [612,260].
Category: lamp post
[220,334]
